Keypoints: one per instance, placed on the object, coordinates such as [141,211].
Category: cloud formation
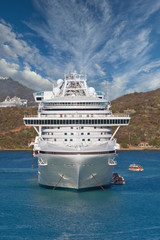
[115,42]
[16,58]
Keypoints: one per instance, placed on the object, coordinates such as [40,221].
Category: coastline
[130,148]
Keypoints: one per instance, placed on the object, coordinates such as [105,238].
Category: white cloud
[87,36]
[16,58]
[30,78]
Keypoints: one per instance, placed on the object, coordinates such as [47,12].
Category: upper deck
[73,86]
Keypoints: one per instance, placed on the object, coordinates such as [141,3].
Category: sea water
[130,211]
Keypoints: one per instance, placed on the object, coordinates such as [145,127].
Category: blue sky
[117,43]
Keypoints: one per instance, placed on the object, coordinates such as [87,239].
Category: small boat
[117,179]
[135,167]
[115,176]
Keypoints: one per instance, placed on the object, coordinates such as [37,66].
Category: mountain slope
[145,120]
[9,87]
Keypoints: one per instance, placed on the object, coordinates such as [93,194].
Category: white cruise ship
[75,147]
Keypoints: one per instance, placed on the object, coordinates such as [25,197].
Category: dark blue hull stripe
[77,153]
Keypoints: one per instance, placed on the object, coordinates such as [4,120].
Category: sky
[115,42]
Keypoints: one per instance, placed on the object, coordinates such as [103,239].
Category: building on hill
[14,102]
[144,144]
[129,111]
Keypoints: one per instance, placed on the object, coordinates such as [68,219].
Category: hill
[13,133]
[144,125]
[9,87]
[145,118]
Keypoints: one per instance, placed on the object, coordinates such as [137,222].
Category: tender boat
[135,167]
[117,179]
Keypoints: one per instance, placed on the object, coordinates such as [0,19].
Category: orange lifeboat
[35,153]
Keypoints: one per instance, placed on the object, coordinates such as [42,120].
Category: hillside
[144,125]
[9,87]
[13,133]
[145,117]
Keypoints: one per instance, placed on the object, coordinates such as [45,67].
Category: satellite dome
[56,91]
[59,82]
[91,91]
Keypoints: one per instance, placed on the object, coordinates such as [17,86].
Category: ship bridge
[73,85]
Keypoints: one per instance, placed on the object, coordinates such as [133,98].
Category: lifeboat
[135,167]
[35,153]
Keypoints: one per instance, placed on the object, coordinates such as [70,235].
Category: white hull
[75,172]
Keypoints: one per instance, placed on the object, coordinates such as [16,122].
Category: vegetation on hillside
[144,125]
[13,133]
[145,121]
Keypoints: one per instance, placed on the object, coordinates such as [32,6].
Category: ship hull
[75,171]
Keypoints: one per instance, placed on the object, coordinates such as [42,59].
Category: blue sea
[130,211]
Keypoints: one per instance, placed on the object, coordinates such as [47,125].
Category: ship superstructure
[74,143]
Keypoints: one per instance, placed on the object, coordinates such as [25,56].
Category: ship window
[39,98]
[82,127]
[82,133]
[88,133]
[71,139]
[60,121]
[72,133]
[71,127]
[55,139]
[63,121]
[58,127]
[99,121]
[94,127]
[88,139]
[65,140]
[99,139]
[65,133]
[83,139]
[90,121]
[95,121]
